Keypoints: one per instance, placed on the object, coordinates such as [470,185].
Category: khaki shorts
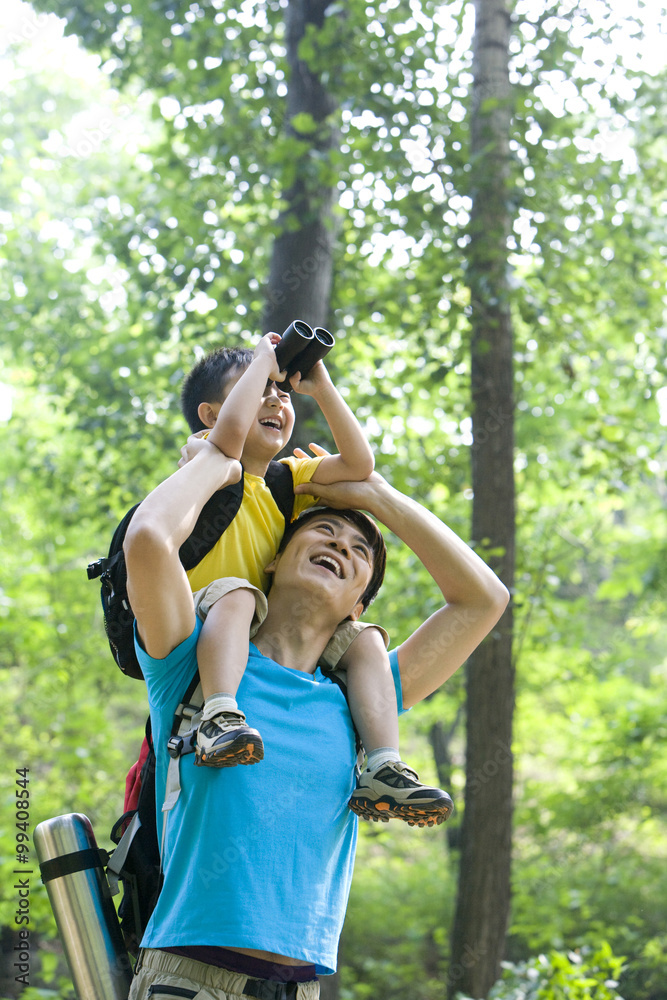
[342,638]
[183,977]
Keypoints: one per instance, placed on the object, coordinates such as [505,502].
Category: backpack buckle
[179,745]
[175,746]
[96,569]
[188,711]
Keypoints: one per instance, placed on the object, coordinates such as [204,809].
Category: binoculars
[300,348]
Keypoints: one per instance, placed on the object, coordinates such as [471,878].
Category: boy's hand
[318,378]
[354,460]
[267,348]
[316,449]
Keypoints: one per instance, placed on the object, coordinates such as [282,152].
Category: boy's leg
[387,788]
[371,692]
[224,739]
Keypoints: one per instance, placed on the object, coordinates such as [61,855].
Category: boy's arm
[354,460]
[239,409]
[157,585]
[475,597]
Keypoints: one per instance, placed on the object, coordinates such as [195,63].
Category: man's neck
[292,636]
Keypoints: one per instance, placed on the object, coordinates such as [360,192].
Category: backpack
[216,515]
[135,863]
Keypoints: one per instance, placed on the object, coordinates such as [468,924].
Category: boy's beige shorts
[344,635]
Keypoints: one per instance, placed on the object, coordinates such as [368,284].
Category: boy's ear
[208,413]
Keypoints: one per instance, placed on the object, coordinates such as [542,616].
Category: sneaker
[225,741]
[394,791]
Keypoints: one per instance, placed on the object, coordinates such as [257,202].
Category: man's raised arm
[157,585]
[475,597]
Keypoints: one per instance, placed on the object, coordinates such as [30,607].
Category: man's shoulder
[168,678]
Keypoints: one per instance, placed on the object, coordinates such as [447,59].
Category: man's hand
[346,496]
[343,496]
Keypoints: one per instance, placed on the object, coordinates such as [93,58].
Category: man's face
[273,425]
[333,559]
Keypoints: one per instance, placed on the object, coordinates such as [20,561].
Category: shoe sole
[386,808]
[245,749]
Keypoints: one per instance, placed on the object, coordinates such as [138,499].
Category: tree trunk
[329,987]
[301,271]
[483,897]
[441,741]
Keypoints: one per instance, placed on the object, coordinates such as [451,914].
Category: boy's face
[273,425]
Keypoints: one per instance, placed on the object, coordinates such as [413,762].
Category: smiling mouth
[328,563]
[273,422]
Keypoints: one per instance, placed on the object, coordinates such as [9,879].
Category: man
[258,866]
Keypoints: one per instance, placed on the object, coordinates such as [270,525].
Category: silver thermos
[72,868]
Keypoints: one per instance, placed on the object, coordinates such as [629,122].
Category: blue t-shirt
[261,856]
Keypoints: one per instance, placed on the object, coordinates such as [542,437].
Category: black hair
[369,530]
[206,382]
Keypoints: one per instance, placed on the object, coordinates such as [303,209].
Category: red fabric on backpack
[133,780]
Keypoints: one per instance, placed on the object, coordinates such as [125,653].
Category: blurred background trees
[158,165]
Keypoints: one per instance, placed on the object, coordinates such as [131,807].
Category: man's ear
[271,568]
[356,612]
[208,413]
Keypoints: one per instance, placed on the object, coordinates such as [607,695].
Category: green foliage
[35,993]
[136,239]
[592,975]
[645,976]
[384,954]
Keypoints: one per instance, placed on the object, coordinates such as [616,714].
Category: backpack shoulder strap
[218,512]
[182,740]
[96,569]
[186,720]
[279,480]
[216,515]
[183,734]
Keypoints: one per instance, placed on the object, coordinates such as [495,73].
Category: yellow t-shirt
[251,541]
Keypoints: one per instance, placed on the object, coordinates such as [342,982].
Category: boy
[234,393]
